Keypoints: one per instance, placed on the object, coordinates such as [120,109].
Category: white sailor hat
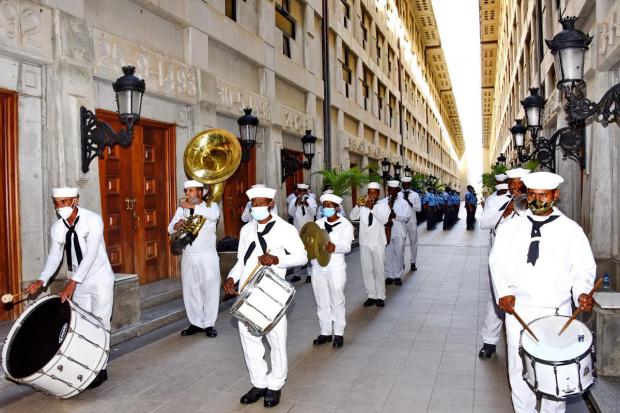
[393,184]
[303,186]
[261,193]
[259,186]
[501,177]
[331,198]
[499,187]
[192,184]
[517,173]
[328,191]
[405,179]
[374,185]
[64,192]
[542,180]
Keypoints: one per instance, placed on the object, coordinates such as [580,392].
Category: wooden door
[298,177]
[234,198]
[138,199]
[10,268]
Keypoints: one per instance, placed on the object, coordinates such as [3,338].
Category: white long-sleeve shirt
[413,197]
[341,236]
[246,216]
[403,214]
[301,213]
[95,266]
[205,241]
[565,263]
[283,241]
[373,235]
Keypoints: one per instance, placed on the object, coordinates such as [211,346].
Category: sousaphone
[315,242]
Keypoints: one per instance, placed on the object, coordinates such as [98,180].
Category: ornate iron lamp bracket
[581,111]
[96,135]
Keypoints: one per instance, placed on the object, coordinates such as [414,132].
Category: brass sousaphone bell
[315,242]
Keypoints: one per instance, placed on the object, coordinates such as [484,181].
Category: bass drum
[57,348]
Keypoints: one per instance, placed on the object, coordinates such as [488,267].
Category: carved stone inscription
[233,99]
[163,75]
[26,28]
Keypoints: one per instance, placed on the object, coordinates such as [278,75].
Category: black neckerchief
[330,227]
[261,240]
[76,243]
[406,197]
[533,251]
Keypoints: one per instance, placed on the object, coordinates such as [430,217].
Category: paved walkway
[418,354]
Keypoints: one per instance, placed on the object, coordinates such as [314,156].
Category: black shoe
[380,303]
[98,381]
[295,279]
[398,281]
[369,302]
[413,267]
[486,351]
[211,332]
[308,279]
[321,339]
[338,341]
[191,330]
[389,281]
[253,395]
[272,398]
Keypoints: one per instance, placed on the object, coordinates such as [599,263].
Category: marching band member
[303,207]
[328,282]
[497,210]
[400,213]
[372,217]
[413,200]
[79,234]
[540,260]
[319,210]
[273,242]
[200,265]
[246,216]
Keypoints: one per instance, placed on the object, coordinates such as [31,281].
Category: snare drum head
[573,343]
[39,335]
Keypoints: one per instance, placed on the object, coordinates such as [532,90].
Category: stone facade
[514,59]
[203,61]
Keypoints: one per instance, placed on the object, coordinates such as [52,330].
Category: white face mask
[64,212]
[259,213]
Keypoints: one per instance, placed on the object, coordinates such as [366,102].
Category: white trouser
[492,326]
[328,286]
[395,257]
[96,298]
[373,272]
[523,398]
[412,234]
[254,353]
[200,275]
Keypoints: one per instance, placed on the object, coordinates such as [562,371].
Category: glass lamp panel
[569,63]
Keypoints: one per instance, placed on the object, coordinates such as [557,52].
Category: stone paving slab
[418,354]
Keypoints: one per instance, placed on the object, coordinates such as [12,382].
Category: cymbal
[320,248]
[307,235]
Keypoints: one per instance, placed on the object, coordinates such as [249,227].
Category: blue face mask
[329,212]
[259,213]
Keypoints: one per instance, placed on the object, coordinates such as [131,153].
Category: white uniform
[328,282]
[565,267]
[95,289]
[490,219]
[282,240]
[246,216]
[200,268]
[372,247]
[395,250]
[412,225]
[302,214]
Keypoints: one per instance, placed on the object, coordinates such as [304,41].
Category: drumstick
[597,285]
[520,320]
[9,298]
[247,280]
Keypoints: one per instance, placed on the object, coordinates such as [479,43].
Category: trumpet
[361,201]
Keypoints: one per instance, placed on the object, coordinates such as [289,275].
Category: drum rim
[555,363]
[556,398]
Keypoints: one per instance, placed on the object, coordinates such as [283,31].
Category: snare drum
[57,348]
[557,366]
[263,302]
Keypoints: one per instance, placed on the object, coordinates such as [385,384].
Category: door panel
[297,177]
[137,192]
[235,199]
